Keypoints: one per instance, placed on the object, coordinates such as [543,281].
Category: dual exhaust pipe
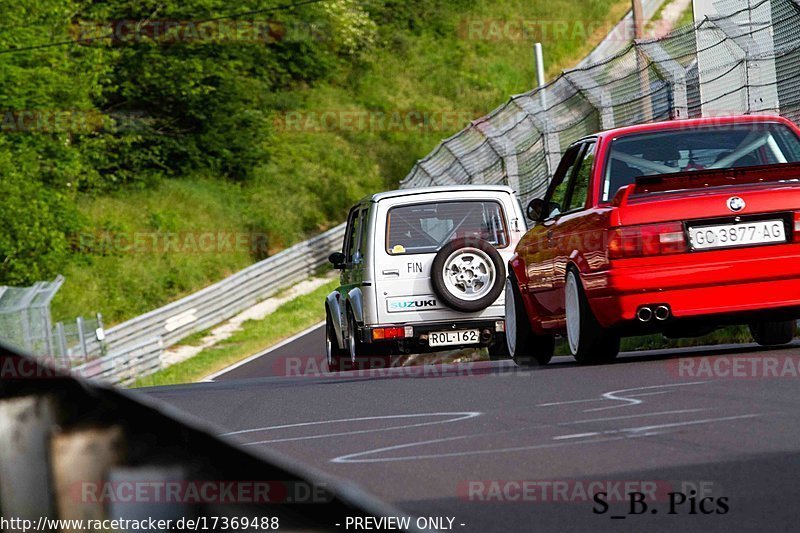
[646,313]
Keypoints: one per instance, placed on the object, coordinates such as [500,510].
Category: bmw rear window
[424,228]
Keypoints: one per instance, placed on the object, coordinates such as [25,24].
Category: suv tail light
[652,239]
[392,333]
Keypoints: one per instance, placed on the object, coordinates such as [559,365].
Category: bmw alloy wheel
[511,319]
[573,309]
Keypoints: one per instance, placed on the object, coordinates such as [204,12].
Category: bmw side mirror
[535,209]
[337,259]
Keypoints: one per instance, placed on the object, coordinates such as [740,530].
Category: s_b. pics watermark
[632,496]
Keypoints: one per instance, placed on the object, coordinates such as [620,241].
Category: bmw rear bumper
[758,282]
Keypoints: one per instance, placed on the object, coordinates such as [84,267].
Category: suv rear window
[424,228]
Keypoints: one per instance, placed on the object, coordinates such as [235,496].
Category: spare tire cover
[468,274]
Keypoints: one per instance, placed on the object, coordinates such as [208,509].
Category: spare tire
[468,274]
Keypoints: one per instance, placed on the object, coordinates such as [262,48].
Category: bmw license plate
[453,338]
[742,234]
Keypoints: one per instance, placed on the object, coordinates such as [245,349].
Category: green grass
[195,339]
[255,335]
[311,178]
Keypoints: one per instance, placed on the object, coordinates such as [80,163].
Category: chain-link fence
[79,340]
[745,62]
[25,316]
[25,322]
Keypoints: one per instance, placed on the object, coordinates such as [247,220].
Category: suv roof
[436,189]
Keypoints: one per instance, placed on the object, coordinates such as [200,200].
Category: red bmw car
[675,227]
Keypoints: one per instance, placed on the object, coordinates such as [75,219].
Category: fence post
[540,119]
[62,340]
[47,330]
[673,72]
[500,145]
[596,95]
[82,337]
[761,80]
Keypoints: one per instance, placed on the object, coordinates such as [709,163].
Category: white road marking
[629,433]
[639,429]
[640,415]
[578,435]
[569,402]
[630,399]
[353,457]
[690,423]
[458,417]
[617,395]
[211,377]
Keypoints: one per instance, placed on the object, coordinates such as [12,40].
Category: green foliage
[181,133]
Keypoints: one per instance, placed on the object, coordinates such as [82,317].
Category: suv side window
[559,193]
[580,181]
[360,237]
[352,235]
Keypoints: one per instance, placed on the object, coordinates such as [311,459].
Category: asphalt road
[498,448]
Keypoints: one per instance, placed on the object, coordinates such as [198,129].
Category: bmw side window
[558,196]
[580,187]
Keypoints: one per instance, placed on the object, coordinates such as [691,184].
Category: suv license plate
[452,338]
[742,234]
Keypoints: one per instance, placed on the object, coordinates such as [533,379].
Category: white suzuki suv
[423,270]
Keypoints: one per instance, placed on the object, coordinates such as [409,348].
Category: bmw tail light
[648,240]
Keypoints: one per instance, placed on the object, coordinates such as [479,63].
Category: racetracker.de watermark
[14,367]
[578,490]
[170,31]
[166,242]
[198,492]
[736,367]
[378,366]
[50,121]
[349,120]
[531,30]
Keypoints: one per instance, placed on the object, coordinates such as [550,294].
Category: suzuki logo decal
[423,302]
[736,204]
[413,304]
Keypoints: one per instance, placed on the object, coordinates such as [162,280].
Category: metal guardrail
[124,366]
[133,348]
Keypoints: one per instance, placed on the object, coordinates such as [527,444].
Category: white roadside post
[551,142]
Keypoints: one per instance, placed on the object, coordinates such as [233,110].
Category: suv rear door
[406,243]
[354,248]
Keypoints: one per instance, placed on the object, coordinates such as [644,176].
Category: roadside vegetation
[159,132]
